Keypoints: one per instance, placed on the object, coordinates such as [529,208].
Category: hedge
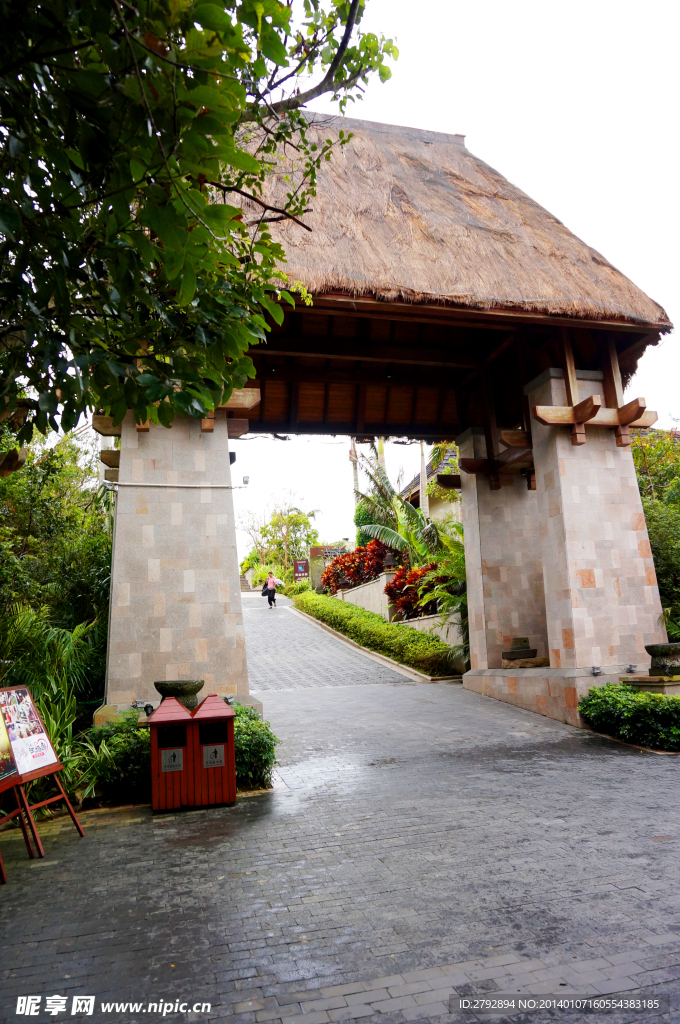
[648,719]
[409,646]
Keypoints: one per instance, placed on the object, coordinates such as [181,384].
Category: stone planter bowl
[184,690]
[665,659]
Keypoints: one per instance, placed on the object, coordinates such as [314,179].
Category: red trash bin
[172,763]
[214,754]
[193,761]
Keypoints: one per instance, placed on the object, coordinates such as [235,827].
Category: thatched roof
[412,216]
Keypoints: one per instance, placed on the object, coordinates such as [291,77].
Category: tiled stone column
[602,600]
[503,560]
[176,598]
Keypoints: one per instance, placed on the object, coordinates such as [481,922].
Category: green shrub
[409,646]
[293,589]
[648,719]
[255,746]
[124,769]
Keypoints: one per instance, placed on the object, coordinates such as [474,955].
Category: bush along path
[646,719]
[408,646]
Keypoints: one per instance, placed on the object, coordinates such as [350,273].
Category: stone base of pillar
[552,692]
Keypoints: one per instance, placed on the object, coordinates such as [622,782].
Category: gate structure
[447,306]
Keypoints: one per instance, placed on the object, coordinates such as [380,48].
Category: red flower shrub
[359,566]
[403,591]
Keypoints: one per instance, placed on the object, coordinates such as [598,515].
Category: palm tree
[396,522]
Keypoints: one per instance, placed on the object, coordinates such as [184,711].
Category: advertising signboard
[8,766]
[29,744]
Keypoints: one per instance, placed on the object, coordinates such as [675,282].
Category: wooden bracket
[577,413]
[516,438]
[208,424]
[142,428]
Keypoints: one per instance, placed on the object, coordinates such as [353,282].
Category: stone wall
[176,599]
[503,559]
[370,596]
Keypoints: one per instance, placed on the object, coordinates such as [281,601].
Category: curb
[411,673]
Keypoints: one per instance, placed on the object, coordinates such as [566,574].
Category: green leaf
[273,48]
[10,221]
[212,17]
[188,286]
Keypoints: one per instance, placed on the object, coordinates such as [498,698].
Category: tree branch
[328,81]
[265,206]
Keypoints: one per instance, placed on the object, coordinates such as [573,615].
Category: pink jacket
[273,583]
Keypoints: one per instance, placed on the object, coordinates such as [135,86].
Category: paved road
[430,841]
[286,652]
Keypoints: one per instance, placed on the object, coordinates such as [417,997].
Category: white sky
[574,103]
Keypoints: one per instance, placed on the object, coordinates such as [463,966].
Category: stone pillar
[503,560]
[602,599]
[175,593]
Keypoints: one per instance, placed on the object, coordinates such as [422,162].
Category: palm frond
[389,537]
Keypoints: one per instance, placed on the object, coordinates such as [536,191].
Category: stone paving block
[315,1017]
[423,975]
[384,982]
[631,956]
[423,1012]
[623,970]
[392,1005]
[351,1013]
[617,985]
[408,990]
[366,996]
[325,1003]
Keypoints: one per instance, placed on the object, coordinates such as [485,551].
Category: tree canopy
[130,134]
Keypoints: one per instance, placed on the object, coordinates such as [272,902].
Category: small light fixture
[596,670]
[246,481]
[390,561]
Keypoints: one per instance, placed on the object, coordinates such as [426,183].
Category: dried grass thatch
[412,216]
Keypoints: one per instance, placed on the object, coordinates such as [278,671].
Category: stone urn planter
[184,690]
[665,659]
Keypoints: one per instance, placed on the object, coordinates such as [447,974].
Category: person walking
[272,584]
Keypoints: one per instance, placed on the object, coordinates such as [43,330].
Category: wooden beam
[492,319]
[632,411]
[491,433]
[515,438]
[104,425]
[244,398]
[364,352]
[142,428]
[512,455]
[587,409]
[563,415]
[449,481]
[237,427]
[613,389]
[578,433]
[110,457]
[208,424]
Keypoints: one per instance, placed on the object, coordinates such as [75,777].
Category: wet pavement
[429,841]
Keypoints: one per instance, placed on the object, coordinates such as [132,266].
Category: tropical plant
[289,534]
[396,522]
[403,591]
[657,462]
[362,517]
[355,567]
[127,278]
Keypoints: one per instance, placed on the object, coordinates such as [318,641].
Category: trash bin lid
[212,707]
[170,710]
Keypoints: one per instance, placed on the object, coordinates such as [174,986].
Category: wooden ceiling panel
[400,405]
[376,401]
[426,405]
[276,404]
[342,403]
[311,400]
[311,325]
